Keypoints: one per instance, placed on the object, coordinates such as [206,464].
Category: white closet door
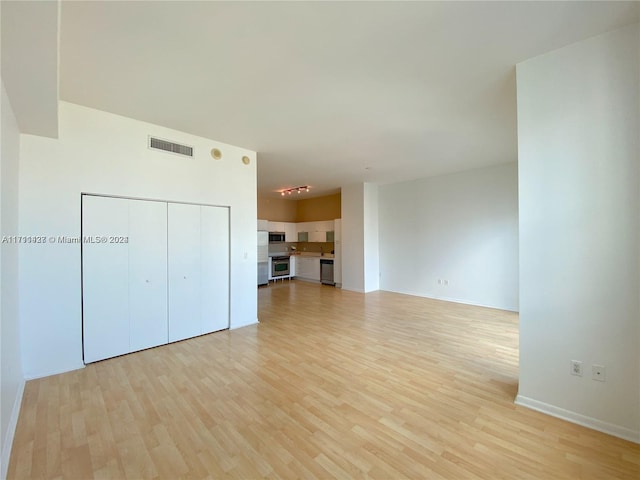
[215,268]
[184,271]
[147,274]
[105,278]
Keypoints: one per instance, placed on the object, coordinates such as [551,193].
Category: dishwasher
[326,271]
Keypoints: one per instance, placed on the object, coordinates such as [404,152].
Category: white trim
[53,372]
[573,417]
[358,290]
[235,327]
[450,299]
[11,431]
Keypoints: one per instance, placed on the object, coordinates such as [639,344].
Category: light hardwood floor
[330,384]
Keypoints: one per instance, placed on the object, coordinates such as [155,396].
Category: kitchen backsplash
[323,247]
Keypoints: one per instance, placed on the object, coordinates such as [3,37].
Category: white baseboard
[573,417]
[235,327]
[351,289]
[452,300]
[33,376]
[11,431]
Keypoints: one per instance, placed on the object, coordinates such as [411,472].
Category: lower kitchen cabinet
[161,276]
[308,268]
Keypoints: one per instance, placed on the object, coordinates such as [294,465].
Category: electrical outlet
[599,373]
[576,368]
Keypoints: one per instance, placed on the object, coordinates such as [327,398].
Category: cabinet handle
[147,281]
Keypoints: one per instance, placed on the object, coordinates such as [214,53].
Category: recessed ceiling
[327,93]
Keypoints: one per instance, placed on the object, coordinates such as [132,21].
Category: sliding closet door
[215,268]
[147,274]
[184,271]
[161,276]
[105,278]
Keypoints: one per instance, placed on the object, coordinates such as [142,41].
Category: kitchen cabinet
[317,236]
[308,268]
[292,266]
[164,277]
[276,226]
[290,232]
[289,229]
[321,231]
[325,226]
[315,231]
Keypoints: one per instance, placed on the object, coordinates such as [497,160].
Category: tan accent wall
[319,208]
[277,209]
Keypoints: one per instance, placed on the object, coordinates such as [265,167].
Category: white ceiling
[327,93]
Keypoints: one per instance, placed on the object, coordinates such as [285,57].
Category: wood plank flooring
[331,384]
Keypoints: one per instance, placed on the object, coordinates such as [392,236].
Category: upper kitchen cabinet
[276,226]
[289,229]
[315,231]
[326,226]
[317,236]
[290,232]
[263,225]
[302,231]
[321,231]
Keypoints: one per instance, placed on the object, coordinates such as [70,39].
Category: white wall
[461,228]
[371,240]
[98,152]
[360,263]
[352,206]
[11,378]
[578,134]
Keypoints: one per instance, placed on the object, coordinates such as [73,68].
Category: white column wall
[353,237]
[11,377]
[371,242]
[579,177]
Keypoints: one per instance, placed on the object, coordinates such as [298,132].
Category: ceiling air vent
[171,147]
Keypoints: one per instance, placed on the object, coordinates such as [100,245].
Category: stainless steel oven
[279,267]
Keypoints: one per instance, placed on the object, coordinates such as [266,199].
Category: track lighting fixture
[289,191]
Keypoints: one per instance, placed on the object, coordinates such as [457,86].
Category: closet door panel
[215,268]
[147,274]
[184,271]
[105,273]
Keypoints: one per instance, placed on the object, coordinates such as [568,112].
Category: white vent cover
[171,147]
